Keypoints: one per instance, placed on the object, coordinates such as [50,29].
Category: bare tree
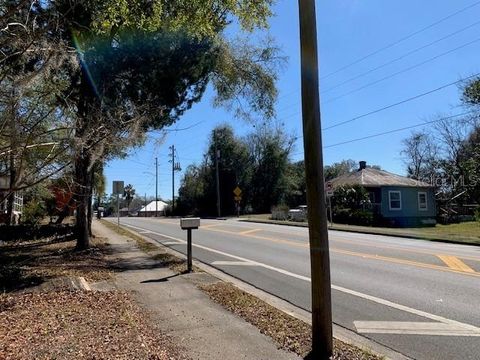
[34,132]
[420,155]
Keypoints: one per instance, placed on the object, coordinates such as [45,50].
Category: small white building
[17,204]
[158,207]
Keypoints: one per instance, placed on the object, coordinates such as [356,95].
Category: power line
[135,161]
[401,57]
[418,96]
[401,40]
[392,45]
[186,128]
[399,103]
[394,131]
[398,130]
[402,71]
[386,77]
[175,130]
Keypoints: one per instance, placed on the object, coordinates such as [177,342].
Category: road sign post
[238,197]
[330,209]
[322,340]
[189,224]
[329,195]
[118,189]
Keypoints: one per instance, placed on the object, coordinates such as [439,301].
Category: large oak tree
[139,65]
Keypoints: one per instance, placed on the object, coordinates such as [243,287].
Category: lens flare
[84,64]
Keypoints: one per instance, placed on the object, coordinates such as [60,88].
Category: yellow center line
[249,231]
[363,243]
[161,221]
[393,247]
[208,226]
[455,263]
[357,254]
[250,236]
[405,262]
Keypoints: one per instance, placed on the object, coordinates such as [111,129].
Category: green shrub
[362,217]
[350,197]
[281,207]
[341,216]
[353,217]
[477,214]
[34,212]
[280,212]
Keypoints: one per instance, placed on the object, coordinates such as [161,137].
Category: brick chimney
[363,165]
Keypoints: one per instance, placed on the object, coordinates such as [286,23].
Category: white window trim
[390,200]
[426,201]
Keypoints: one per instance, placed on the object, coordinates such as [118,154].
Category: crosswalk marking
[415,328]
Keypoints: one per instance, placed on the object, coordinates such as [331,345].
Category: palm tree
[129,194]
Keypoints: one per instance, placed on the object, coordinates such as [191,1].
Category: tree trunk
[11,193]
[10,215]
[65,211]
[90,209]
[83,180]
[12,169]
[83,168]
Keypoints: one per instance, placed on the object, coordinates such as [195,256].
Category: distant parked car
[298,214]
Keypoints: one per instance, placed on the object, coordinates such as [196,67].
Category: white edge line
[335,287]
[232,263]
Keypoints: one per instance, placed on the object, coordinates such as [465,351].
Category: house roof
[369,177]
[151,207]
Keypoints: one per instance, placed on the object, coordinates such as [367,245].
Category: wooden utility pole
[322,343]
[217,173]
[175,167]
[156,187]
[173,178]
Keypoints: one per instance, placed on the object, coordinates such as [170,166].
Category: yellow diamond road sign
[237,191]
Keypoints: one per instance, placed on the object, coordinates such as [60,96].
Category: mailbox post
[189,224]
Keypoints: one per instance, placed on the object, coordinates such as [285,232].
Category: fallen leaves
[28,264]
[288,332]
[79,325]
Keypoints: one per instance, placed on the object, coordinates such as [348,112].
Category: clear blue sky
[348,31]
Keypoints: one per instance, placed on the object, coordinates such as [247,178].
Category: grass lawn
[468,232]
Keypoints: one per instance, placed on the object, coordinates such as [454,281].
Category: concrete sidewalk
[178,308]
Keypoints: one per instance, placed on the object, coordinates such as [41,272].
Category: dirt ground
[288,332]
[29,263]
[62,323]
[79,325]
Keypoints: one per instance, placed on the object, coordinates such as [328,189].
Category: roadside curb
[181,309]
[345,335]
[416,237]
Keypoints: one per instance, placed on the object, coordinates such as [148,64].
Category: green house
[400,201]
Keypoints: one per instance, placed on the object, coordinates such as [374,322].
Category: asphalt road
[419,298]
